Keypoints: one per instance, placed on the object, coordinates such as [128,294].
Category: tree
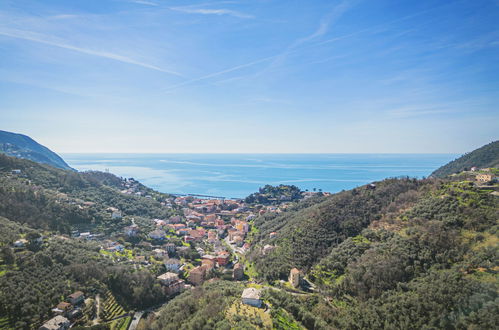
[8,255]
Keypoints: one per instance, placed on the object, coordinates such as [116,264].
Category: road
[135,321]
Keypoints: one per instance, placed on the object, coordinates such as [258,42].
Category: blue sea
[238,175]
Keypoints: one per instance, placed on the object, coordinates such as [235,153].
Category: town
[203,240]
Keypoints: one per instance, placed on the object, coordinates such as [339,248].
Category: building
[196,276]
[272,235]
[157,234]
[57,323]
[171,283]
[208,261]
[172,265]
[294,277]
[116,215]
[62,308]
[16,171]
[484,177]
[159,253]
[76,298]
[21,243]
[170,248]
[131,231]
[252,297]
[238,272]
[223,258]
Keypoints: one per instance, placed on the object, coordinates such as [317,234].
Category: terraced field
[121,324]
[5,324]
[110,308]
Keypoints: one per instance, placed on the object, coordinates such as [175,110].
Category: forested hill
[22,146]
[398,254]
[42,196]
[484,157]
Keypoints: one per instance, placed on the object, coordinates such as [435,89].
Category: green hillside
[22,146]
[42,196]
[484,157]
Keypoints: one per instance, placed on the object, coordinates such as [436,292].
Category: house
[252,297]
[294,277]
[62,308]
[159,253]
[157,234]
[76,298]
[57,323]
[170,248]
[171,283]
[172,265]
[21,243]
[238,272]
[116,215]
[223,258]
[272,235]
[196,275]
[16,171]
[86,235]
[484,177]
[474,169]
[208,261]
[131,231]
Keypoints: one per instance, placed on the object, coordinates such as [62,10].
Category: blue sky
[251,76]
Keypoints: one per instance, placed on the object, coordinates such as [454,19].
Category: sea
[238,175]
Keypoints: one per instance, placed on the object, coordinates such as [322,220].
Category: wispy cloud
[219,73]
[52,41]
[207,11]
[144,2]
[302,43]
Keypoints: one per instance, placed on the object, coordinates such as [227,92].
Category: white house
[172,265]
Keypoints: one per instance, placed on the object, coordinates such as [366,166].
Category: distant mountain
[486,156]
[22,146]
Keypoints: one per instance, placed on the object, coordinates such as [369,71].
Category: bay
[238,175]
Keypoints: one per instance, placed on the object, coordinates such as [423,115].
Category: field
[110,308]
[257,316]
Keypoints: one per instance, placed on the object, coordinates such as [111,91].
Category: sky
[251,76]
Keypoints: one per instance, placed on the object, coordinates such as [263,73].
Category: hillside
[46,197]
[396,254]
[484,157]
[403,254]
[22,146]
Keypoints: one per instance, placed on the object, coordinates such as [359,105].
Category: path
[97,310]
[135,321]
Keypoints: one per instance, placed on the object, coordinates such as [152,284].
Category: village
[205,240]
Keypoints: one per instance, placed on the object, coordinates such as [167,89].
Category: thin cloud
[144,2]
[302,47]
[219,73]
[206,11]
[48,40]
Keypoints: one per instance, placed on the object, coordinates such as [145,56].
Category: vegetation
[201,308]
[308,234]
[23,146]
[275,195]
[484,157]
[49,198]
